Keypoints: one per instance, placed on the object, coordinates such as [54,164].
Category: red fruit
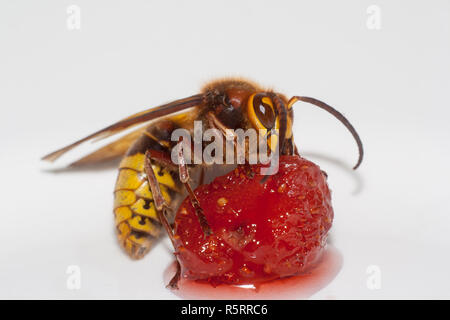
[261,230]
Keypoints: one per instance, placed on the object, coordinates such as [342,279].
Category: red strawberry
[262,230]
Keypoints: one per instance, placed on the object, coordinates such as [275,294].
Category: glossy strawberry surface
[261,229]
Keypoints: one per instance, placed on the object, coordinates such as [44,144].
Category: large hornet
[150,186]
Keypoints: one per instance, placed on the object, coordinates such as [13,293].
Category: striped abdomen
[135,214]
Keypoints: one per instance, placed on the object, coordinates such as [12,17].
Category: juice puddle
[297,287]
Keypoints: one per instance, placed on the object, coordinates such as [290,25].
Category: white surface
[59,85]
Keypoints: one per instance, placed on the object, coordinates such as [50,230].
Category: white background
[58,85]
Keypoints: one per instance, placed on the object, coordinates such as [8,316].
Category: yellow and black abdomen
[134,209]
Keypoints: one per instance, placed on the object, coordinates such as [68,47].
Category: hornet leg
[215,123]
[161,204]
[184,178]
[161,208]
